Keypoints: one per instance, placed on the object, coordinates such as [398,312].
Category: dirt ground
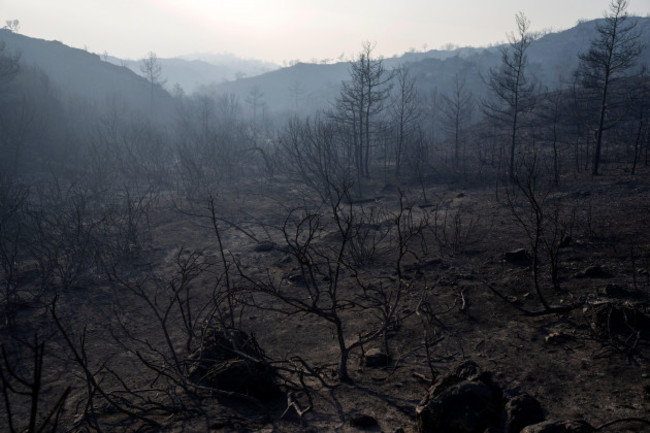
[588,361]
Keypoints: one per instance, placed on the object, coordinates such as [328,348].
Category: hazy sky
[288,29]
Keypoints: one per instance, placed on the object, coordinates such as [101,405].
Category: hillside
[304,86]
[552,59]
[84,75]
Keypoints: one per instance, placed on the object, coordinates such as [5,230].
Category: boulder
[464,371]
[375,358]
[468,407]
[363,421]
[468,370]
[469,401]
[458,405]
[265,247]
[521,411]
[595,271]
[518,257]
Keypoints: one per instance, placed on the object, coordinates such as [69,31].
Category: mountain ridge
[552,59]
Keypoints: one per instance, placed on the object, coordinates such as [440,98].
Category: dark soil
[587,359]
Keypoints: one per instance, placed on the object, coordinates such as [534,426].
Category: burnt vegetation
[199,264]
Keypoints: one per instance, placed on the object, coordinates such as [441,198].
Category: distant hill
[302,87]
[552,59]
[84,75]
[299,88]
[193,71]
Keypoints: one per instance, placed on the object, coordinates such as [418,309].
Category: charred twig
[292,402]
[463,301]
[548,310]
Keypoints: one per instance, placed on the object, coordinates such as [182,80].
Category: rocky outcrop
[469,401]
[231,360]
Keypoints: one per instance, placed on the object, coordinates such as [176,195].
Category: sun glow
[286,29]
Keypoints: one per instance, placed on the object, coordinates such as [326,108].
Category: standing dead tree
[640,123]
[151,69]
[457,113]
[610,55]
[405,113]
[311,150]
[361,100]
[511,87]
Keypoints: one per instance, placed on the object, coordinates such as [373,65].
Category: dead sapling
[323,290]
[542,227]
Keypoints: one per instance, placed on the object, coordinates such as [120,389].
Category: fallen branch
[545,311]
[618,421]
[292,402]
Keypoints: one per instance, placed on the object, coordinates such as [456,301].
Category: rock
[614,291]
[521,411]
[375,358]
[517,257]
[265,247]
[469,401]
[557,338]
[362,421]
[230,360]
[466,407]
[443,384]
[297,278]
[464,371]
[618,320]
[468,370]
[575,426]
[595,271]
